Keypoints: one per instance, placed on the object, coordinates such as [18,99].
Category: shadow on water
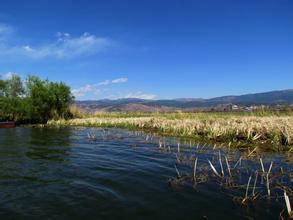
[49,144]
[86,173]
[34,143]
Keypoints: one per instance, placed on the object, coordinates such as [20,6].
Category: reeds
[228,166]
[221,165]
[262,166]
[254,189]
[177,171]
[194,170]
[288,205]
[276,130]
[214,169]
[92,136]
[246,192]
[238,162]
[268,178]
[254,185]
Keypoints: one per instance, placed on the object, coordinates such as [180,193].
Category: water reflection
[28,155]
[49,144]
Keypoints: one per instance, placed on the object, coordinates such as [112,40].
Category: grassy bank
[241,129]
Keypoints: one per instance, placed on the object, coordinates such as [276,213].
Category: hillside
[266,98]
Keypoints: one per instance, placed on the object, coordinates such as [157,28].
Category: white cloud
[68,47]
[92,90]
[136,95]
[95,88]
[140,95]
[120,80]
[104,83]
[114,81]
[64,46]
[80,92]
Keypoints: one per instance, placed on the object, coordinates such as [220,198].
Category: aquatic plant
[255,180]
[247,185]
[271,132]
[288,205]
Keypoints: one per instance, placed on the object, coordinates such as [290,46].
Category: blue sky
[153,49]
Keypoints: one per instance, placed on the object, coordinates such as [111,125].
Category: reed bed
[253,179]
[251,183]
[271,131]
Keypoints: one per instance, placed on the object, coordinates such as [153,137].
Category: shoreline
[272,133]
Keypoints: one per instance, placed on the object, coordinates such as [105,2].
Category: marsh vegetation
[267,130]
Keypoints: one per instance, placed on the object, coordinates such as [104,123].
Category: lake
[48,173]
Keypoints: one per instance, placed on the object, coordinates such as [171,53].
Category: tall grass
[177,115]
[266,129]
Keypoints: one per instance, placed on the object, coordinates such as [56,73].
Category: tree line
[33,100]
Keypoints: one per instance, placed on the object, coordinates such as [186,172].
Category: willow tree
[47,100]
[11,98]
[35,101]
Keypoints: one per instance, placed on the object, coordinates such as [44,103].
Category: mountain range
[281,97]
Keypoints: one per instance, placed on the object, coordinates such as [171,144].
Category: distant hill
[267,98]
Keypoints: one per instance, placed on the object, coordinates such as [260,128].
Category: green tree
[11,91]
[39,99]
[61,99]
[14,87]
[48,99]
[2,88]
[36,102]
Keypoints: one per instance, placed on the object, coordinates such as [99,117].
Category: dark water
[61,174]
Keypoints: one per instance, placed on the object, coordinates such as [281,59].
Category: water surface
[62,174]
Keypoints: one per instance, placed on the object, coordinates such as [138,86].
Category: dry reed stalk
[254,185]
[194,169]
[246,193]
[203,146]
[257,136]
[228,166]
[238,162]
[160,144]
[268,184]
[177,171]
[252,152]
[288,205]
[247,188]
[271,165]
[91,136]
[214,169]
[221,165]
[262,166]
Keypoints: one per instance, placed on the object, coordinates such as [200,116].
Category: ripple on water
[61,174]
